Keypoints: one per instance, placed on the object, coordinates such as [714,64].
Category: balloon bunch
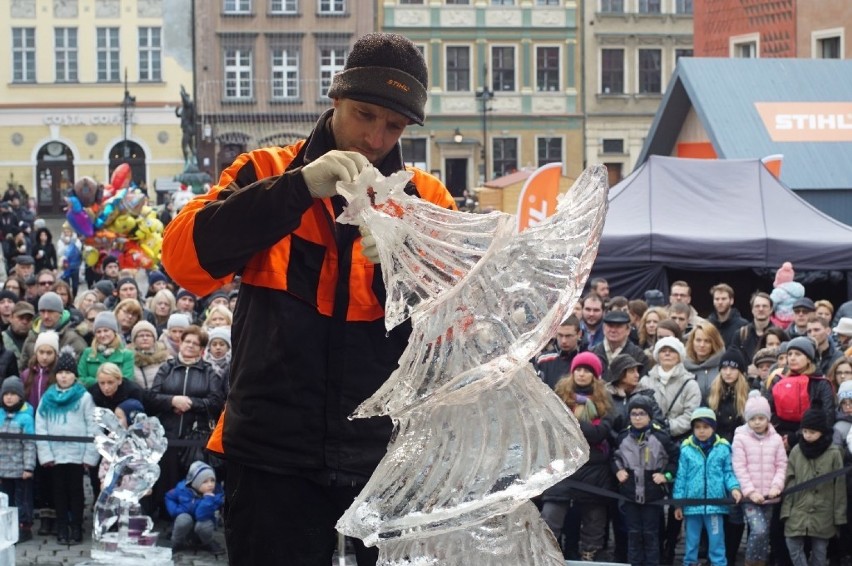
[115,219]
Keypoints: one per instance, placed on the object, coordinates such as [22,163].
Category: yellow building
[91,84]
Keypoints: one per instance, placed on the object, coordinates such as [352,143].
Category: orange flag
[537,200]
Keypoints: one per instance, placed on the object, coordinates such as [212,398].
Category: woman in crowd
[668,328]
[218,315]
[704,351]
[824,310]
[148,353]
[586,397]
[161,305]
[787,409]
[43,251]
[648,328]
[678,395]
[186,394]
[127,313]
[839,372]
[772,338]
[16,285]
[624,384]
[106,347]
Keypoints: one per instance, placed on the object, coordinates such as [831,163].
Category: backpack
[791,397]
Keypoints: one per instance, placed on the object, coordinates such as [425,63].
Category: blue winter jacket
[705,477]
[184,499]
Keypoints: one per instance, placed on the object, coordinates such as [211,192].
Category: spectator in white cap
[178,322]
[107,346]
[52,315]
[148,353]
[843,333]
[678,395]
[218,352]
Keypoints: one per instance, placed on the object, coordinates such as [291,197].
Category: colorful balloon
[78,218]
[121,176]
[87,190]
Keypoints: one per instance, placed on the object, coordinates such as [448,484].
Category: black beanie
[67,360]
[815,419]
[642,402]
[385,69]
[734,359]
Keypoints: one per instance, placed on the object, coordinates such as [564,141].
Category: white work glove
[321,176]
[368,245]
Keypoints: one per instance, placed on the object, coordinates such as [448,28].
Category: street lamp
[485,96]
[457,136]
[127,104]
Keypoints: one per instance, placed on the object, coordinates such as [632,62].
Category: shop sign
[85,119]
[807,121]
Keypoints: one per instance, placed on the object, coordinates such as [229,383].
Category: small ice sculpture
[122,534]
[477,432]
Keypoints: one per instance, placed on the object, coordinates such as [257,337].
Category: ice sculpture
[477,433]
[133,455]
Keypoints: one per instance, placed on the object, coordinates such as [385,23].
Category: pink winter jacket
[759,463]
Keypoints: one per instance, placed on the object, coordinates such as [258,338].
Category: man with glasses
[553,366]
[44,281]
[804,311]
[52,315]
[748,337]
[681,293]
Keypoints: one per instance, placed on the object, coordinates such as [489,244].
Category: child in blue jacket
[18,457]
[193,504]
[705,472]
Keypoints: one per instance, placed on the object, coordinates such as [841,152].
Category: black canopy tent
[675,216]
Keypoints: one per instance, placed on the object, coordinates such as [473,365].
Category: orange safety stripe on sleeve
[179,255]
[214,443]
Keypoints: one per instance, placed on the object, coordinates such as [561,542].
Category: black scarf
[815,449]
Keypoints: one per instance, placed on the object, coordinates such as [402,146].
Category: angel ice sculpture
[477,432]
[133,455]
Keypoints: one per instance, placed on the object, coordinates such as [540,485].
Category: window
[549,150]
[612,6]
[108,55]
[283,6]
[237,7]
[612,71]
[414,151]
[458,68]
[650,71]
[332,6]
[65,46]
[285,73]
[150,55]
[547,2]
[547,69]
[504,157]
[746,50]
[458,2]
[650,6]
[331,62]
[613,146]
[828,48]
[417,2]
[502,2]
[503,65]
[683,6]
[23,55]
[682,53]
[238,74]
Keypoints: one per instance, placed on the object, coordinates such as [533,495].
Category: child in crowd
[816,512]
[193,504]
[704,471]
[37,376]
[644,464]
[763,361]
[586,397]
[218,352]
[760,464]
[18,457]
[67,409]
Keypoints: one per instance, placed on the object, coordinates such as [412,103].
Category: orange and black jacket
[309,342]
